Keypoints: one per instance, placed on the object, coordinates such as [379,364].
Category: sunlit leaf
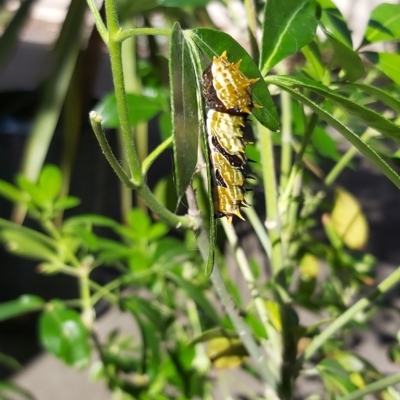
[214,43]
[384,24]
[50,181]
[388,63]
[349,220]
[363,147]
[215,333]
[183,3]
[369,117]
[288,26]
[309,266]
[226,352]
[333,19]
[12,193]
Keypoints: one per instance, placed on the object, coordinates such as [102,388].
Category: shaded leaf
[214,43]
[197,295]
[288,26]
[349,220]
[184,105]
[9,388]
[24,304]
[183,3]
[63,334]
[344,56]
[141,108]
[314,67]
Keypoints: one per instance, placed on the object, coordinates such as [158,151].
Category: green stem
[348,315]
[148,161]
[240,326]
[274,345]
[114,47]
[372,387]
[95,120]
[98,21]
[143,190]
[127,33]
[286,150]
[273,223]
[84,291]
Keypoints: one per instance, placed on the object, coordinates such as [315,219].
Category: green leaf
[344,56]
[50,181]
[213,334]
[214,43]
[388,63]
[63,334]
[332,18]
[368,152]
[141,108]
[9,37]
[314,67]
[24,304]
[378,94]
[288,26]
[38,196]
[197,295]
[184,104]
[384,24]
[157,231]
[139,223]
[12,193]
[368,116]
[325,144]
[336,379]
[66,203]
[28,243]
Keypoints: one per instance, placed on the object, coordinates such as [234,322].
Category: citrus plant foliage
[296,96]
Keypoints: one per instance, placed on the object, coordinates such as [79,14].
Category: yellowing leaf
[226,353]
[274,315]
[349,220]
[309,266]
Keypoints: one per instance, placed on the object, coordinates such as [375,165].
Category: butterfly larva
[227,92]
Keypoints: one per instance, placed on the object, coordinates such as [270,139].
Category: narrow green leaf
[355,140]
[9,37]
[384,24]
[213,334]
[368,116]
[214,43]
[196,294]
[66,203]
[27,243]
[25,304]
[66,52]
[344,56]
[12,193]
[63,334]
[288,26]
[184,105]
[141,108]
[379,94]
[332,18]
[50,181]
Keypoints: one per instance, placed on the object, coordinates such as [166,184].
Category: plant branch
[127,33]
[148,161]
[98,21]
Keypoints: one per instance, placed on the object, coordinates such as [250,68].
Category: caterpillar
[228,98]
